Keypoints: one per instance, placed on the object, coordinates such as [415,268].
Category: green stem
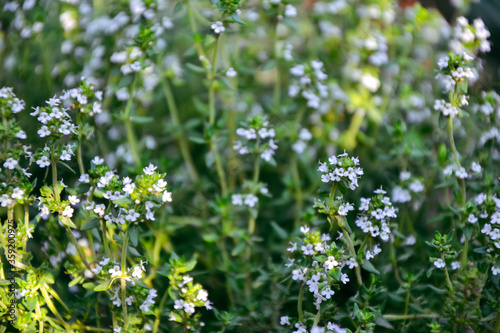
[160,307]
[392,257]
[105,238]
[462,187]
[447,276]
[123,282]
[211,89]
[316,319]
[174,113]
[352,251]
[52,307]
[77,246]
[130,129]
[299,199]
[411,316]
[299,303]
[26,223]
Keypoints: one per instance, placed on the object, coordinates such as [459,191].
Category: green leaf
[226,82]
[89,285]
[463,86]
[482,250]
[238,249]
[210,237]
[381,321]
[121,202]
[76,281]
[90,224]
[133,234]
[68,167]
[279,230]
[437,290]
[104,286]
[197,139]
[67,221]
[269,65]
[134,252]
[367,266]
[468,231]
[196,69]
[237,19]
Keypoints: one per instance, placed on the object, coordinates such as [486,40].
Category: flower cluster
[187,295]
[256,138]
[376,215]
[14,179]
[341,169]
[472,38]
[409,189]
[309,81]
[318,265]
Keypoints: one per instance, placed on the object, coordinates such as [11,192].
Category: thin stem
[411,316]
[123,282]
[174,113]
[316,319]
[392,257]
[52,308]
[352,251]
[447,276]
[129,128]
[77,246]
[105,238]
[26,223]
[160,307]
[299,303]
[211,88]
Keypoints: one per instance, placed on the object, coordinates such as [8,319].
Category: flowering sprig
[376,215]
[256,138]
[440,242]
[308,82]
[185,294]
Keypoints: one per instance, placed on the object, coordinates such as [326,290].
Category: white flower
[251,200]
[345,208]
[218,27]
[10,163]
[84,178]
[293,247]
[284,320]
[237,199]
[97,269]
[149,170]
[476,167]
[308,249]
[495,270]
[68,211]
[439,263]
[115,271]
[455,265]
[43,162]
[231,72]
[17,193]
[290,11]
[73,199]
[304,229]
[97,160]
[330,263]
[472,218]
[202,295]
[344,278]
[370,82]
[132,215]
[167,196]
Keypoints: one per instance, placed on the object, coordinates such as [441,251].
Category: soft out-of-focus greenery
[183,94]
